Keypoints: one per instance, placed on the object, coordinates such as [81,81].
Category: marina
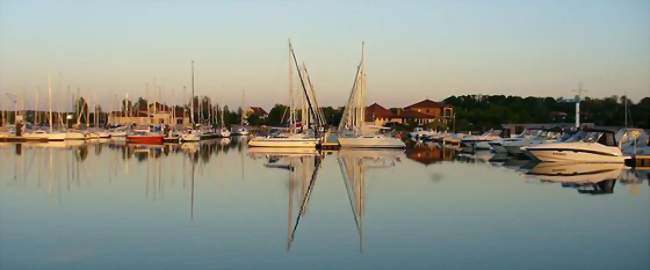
[175,201]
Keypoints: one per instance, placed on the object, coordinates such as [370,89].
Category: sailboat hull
[283,142]
[372,142]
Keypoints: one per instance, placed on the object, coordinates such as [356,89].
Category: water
[216,205]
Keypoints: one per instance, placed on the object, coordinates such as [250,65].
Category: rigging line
[302,82]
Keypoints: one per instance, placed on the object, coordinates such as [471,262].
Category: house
[428,111]
[258,111]
[157,114]
[377,115]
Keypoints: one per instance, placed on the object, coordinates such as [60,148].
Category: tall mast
[192,99]
[302,82]
[292,105]
[243,108]
[49,94]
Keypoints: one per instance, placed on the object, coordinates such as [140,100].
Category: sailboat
[223,131]
[241,130]
[192,134]
[305,137]
[353,131]
[50,135]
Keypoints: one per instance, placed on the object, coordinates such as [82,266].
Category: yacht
[421,133]
[481,142]
[353,131]
[513,145]
[592,146]
[191,135]
[240,131]
[145,136]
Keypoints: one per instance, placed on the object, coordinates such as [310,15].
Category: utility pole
[579,92]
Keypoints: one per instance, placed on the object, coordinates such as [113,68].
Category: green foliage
[475,112]
[277,115]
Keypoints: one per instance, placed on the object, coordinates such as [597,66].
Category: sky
[415,49]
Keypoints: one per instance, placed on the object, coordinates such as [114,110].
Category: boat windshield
[583,136]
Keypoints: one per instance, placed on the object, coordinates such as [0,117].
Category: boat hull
[145,139]
[283,142]
[576,152]
[374,142]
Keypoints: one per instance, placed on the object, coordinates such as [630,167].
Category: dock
[330,142]
[640,161]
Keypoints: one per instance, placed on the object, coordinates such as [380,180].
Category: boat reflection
[587,178]
[353,164]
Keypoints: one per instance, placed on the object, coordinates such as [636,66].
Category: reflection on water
[378,204]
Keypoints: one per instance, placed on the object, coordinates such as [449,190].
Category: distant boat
[352,128]
[145,136]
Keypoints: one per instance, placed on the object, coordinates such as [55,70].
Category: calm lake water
[219,205]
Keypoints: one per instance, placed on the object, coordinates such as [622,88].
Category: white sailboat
[193,134]
[353,131]
[50,135]
[305,137]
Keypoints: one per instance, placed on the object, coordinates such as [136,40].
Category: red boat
[145,138]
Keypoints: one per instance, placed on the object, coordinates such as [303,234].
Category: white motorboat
[591,146]
[191,135]
[513,145]
[481,142]
[420,133]
[223,133]
[240,131]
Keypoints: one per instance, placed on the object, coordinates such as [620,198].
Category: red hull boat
[145,139]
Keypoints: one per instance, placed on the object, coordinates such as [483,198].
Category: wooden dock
[641,161]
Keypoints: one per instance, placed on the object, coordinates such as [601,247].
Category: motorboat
[591,146]
[223,132]
[421,133]
[481,142]
[191,135]
[513,145]
[240,131]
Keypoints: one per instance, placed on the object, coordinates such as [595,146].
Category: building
[377,115]
[258,111]
[421,113]
[427,111]
[157,114]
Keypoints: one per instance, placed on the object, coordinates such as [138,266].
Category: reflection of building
[428,153]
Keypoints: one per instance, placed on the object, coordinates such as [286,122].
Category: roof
[415,114]
[377,111]
[258,110]
[427,103]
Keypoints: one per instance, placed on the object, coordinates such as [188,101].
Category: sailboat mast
[49,94]
[302,82]
[192,99]
[292,104]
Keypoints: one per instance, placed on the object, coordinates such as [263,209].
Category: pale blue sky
[416,49]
